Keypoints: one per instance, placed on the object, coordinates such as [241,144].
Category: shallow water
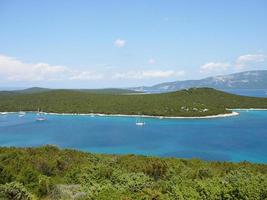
[236,138]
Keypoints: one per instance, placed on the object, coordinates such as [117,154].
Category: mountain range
[244,80]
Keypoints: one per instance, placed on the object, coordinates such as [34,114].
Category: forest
[187,103]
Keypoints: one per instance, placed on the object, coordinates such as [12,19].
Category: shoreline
[242,109]
[150,116]
[144,116]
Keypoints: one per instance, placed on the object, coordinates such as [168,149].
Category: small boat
[139,122]
[3,113]
[40,116]
[40,119]
[22,114]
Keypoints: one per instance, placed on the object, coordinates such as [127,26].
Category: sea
[236,138]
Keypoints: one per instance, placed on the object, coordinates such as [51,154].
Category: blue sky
[94,44]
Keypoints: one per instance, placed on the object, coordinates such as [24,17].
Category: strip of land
[195,102]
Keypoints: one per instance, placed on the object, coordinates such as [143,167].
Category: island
[194,102]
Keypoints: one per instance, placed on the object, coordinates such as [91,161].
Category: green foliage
[192,102]
[70,174]
[14,191]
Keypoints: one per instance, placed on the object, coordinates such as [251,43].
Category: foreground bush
[50,173]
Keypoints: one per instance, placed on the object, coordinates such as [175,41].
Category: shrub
[15,191]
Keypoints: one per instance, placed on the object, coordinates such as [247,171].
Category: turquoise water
[236,138]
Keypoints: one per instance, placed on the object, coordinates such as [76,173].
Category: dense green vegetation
[50,173]
[192,102]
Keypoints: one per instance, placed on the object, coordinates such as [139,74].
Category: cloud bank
[214,67]
[240,63]
[146,74]
[13,69]
[244,60]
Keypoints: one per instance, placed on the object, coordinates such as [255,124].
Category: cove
[236,138]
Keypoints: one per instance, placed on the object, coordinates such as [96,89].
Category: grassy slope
[167,104]
[51,173]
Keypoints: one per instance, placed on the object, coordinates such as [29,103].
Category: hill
[244,80]
[108,91]
[51,173]
[191,102]
[97,91]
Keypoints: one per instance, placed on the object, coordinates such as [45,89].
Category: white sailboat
[139,122]
[21,113]
[40,116]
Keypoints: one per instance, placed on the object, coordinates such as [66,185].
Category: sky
[123,43]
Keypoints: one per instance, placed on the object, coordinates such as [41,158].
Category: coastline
[144,116]
[242,109]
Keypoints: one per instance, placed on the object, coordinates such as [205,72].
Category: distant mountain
[243,80]
[31,90]
[108,91]
[34,90]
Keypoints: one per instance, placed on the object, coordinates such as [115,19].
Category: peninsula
[194,102]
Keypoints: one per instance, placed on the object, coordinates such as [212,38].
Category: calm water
[237,138]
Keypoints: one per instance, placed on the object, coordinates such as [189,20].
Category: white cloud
[86,75]
[12,69]
[146,74]
[119,43]
[244,60]
[214,67]
[151,61]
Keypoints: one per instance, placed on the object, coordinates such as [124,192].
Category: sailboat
[40,116]
[21,113]
[139,122]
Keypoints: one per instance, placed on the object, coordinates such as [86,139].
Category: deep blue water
[236,138]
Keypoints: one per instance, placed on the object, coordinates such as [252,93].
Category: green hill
[192,102]
[50,173]
[33,90]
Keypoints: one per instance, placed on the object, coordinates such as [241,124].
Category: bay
[236,138]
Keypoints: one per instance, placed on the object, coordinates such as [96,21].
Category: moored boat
[40,116]
[140,122]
